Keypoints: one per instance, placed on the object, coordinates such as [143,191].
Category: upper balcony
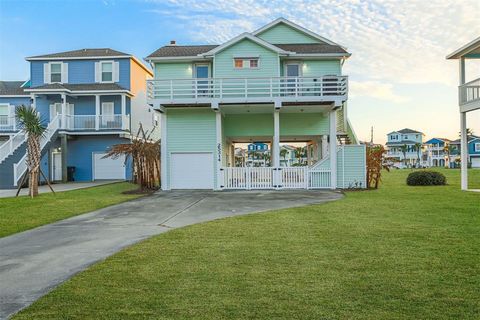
[469,93]
[323,89]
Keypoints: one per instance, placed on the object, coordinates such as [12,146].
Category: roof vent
[173,42]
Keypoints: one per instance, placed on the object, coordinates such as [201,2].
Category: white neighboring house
[405,148]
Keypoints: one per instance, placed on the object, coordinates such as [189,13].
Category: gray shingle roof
[181,51]
[12,88]
[84,53]
[188,51]
[407,130]
[312,48]
[82,87]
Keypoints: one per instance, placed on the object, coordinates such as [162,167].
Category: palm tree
[299,153]
[418,148]
[404,150]
[30,123]
[469,132]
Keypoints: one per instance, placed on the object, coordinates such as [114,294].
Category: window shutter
[116,72]
[46,73]
[98,75]
[64,72]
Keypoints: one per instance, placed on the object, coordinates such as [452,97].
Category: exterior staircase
[14,163]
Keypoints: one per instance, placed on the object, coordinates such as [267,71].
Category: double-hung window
[246,63]
[477,147]
[55,72]
[107,71]
[4,114]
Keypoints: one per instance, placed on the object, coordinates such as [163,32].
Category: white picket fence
[248,178]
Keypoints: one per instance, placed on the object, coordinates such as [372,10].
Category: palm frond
[29,121]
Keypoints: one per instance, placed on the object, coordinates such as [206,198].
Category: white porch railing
[20,167]
[248,178]
[92,122]
[8,123]
[469,92]
[11,145]
[232,89]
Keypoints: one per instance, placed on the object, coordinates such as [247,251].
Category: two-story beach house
[437,152]
[280,83]
[469,100]
[89,99]
[473,152]
[405,147]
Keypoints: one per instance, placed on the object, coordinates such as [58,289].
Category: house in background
[89,99]
[473,153]
[279,83]
[258,155]
[405,148]
[469,100]
[437,152]
[12,94]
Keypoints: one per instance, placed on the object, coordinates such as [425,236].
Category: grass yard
[23,213]
[396,253]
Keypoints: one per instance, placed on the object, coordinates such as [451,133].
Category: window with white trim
[4,113]
[55,72]
[246,63]
[477,147]
[106,68]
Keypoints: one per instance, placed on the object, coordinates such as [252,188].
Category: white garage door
[191,171]
[475,162]
[108,168]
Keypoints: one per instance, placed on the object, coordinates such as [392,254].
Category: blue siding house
[473,154]
[89,99]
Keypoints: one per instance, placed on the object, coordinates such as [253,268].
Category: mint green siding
[297,124]
[351,166]
[248,125]
[173,70]
[268,61]
[312,68]
[282,33]
[190,130]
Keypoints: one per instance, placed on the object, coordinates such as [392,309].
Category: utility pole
[371,135]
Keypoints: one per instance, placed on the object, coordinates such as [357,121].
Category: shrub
[426,178]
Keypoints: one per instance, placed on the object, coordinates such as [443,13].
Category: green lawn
[396,253]
[23,213]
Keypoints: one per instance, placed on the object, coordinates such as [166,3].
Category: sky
[398,73]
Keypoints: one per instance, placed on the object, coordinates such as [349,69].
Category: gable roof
[433,140]
[469,139]
[312,48]
[82,53]
[250,37]
[12,88]
[294,26]
[471,47]
[407,131]
[78,88]
[181,51]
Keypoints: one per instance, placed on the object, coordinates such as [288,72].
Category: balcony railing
[93,122]
[8,123]
[324,88]
[469,92]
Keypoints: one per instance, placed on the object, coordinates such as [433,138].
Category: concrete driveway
[34,262]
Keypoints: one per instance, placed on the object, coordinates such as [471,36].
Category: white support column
[464,150]
[277,173]
[64,111]
[34,100]
[163,151]
[219,149]
[333,149]
[97,112]
[324,146]
[124,111]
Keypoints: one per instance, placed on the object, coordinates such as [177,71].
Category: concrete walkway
[34,262]
[57,187]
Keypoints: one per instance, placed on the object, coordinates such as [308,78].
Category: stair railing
[9,147]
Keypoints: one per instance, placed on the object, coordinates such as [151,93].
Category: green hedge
[426,178]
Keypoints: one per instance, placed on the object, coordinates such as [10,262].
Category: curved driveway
[34,262]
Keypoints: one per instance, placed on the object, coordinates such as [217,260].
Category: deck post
[219,151]
[97,112]
[64,111]
[124,111]
[333,149]
[463,150]
[163,151]
[63,144]
[276,148]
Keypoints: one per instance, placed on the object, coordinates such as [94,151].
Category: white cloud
[375,89]
[391,40]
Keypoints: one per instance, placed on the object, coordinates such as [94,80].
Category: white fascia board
[173,59]
[78,58]
[251,37]
[295,26]
[321,55]
[14,96]
[473,45]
